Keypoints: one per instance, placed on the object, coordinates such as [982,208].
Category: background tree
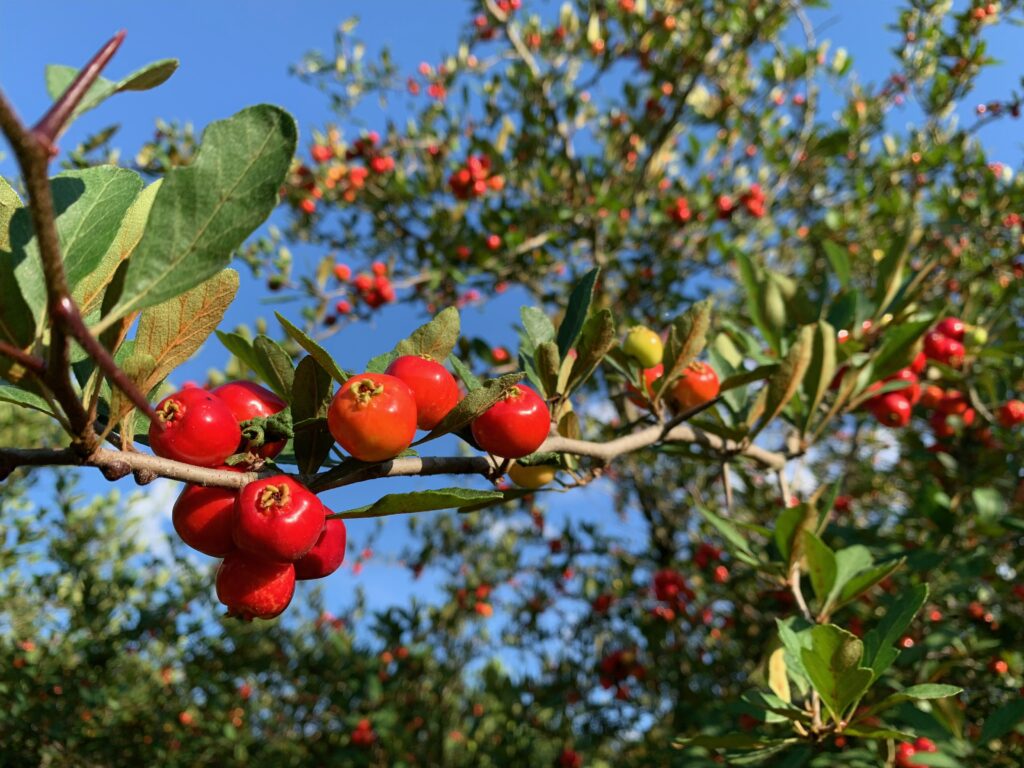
[783,542]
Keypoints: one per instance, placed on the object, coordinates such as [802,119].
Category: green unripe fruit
[644,346]
[532,477]
[977,336]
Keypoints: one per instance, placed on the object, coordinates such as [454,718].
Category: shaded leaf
[833,666]
[879,652]
[318,353]
[1002,721]
[312,392]
[577,311]
[421,501]
[686,339]
[821,565]
[597,338]
[822,369]
[275,366]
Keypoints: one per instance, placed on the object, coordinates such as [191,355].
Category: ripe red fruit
[373,416]
[953,403]
[932,396]
[892,409]
[327,554]
[1011,413]
[433,387]
[363,735]
[904,755]
[515,426]
[651,375]
[277,519]
[952,328]
[919,363]
[248,400]
[669,585]
[493,242]
[939,347]
[697,385]
[202,518]
[343,272]
[913,391]
[569,759]
[198,428]
[924,744]
[254,589]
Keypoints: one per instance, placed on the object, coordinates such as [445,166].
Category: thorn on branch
[54,121]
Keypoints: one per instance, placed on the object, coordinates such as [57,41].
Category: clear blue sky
[234,54]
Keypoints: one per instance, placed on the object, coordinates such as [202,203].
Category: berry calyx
[195,427]
[327,554]
[532,477]
[698,384]
[247,400]
[276,518]
[433,388]
[644,346]
[515,426]
[254,589]
[373,416]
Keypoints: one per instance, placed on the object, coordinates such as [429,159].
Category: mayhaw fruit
[532,477]
[919,363]
[195,427]
[913,391]
[202,517]
[952,328]
[651,375]
[327,554]
[892,409]
[515,426]
[1011,413]
[644,346]
[433,387]
[373,416]
[697,385]
[943,349]
[247,400]
[278,519]
[932,396]
[254,589]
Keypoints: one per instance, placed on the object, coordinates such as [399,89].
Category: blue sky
[234,54]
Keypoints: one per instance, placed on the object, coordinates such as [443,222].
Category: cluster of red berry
[569,758]
[671,589]
[273,531]
[615,670]
[698,384]
[348,178]
[905,752]
[475,179]
[753,200]
[374,288]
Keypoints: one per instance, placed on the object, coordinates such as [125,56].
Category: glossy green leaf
[577,311]
[879,650]
[276,366]
[312,391]
[421,501]
[59,77]
[833,664]
[318,353]
[1002,721]
[204,211]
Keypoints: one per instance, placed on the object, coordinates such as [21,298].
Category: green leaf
[315,351]
[839,258]
[17,322]
[726,741]
[275,366]
[849,562]
[879,652]
[753,287]
[204,211]
[421,501]
[785,382]
[312,392]
[473,404]
[739,546]
[90,205]
[597,338]
[436,339]
[788,525]
[538,327]
[379,363]
[923,692]
[546,363]
[795,643]
[742,378]
[240,347]
[466,376]
[897,349]
[9,394]
[686,339]
[59,77]
[821,371]
[833,666]
[89,293]
[577,311]
[821,565]
[865,580]
[1002,721]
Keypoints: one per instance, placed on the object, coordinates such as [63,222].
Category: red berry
[493,242]
[327,554]
[569,759]
[952,328]
[343,307]
[892,409]
[904,754]
[433,388]
[669,585]
[277,519]
[363,282]
[515,426]
[651,375]
[254,589]
[919,363]
[202,518]
[913,391]
[379,268]
[373,416]
[953,403]
[697,385]
[924,744]
[500,355]
[932,396]
[247,400]
[198,428]
[939,347]
[321,153]
[343,272]
[1011,413]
